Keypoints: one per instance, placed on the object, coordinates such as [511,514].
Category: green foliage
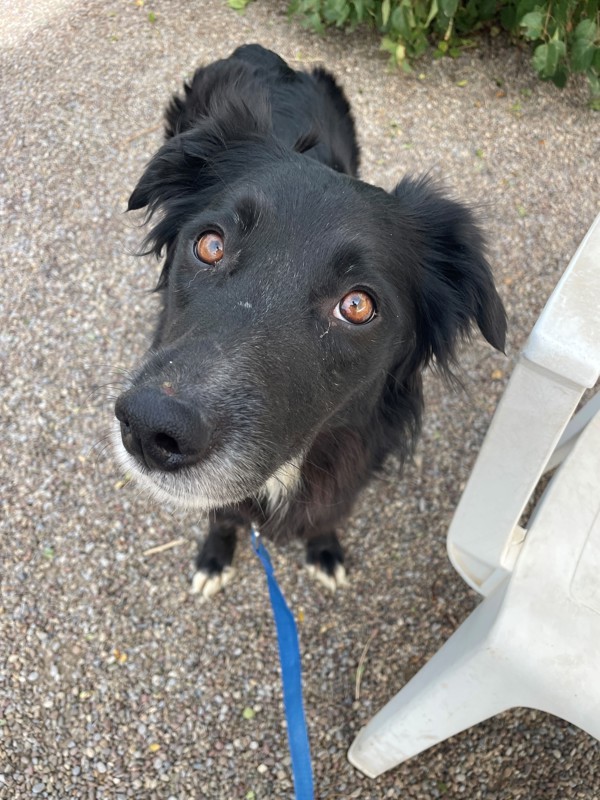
[564,34]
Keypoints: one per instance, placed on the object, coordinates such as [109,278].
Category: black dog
[300,306]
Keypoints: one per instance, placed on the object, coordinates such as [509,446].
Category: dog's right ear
[174,176]
[182,176]
[174,171]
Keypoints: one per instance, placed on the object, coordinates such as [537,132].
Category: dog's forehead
[303,190]
[309,208]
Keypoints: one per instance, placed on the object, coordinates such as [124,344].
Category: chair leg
[464,683]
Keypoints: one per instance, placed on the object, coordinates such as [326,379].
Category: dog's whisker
[101,391]
[100,447]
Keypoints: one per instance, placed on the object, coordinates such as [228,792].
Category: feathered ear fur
[452,283]
[183,174]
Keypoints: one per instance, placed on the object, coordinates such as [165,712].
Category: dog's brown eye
[356,307]
[209,247]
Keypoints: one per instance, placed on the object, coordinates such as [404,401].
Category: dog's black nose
[163,432]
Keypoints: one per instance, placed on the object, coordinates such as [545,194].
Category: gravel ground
[114,681]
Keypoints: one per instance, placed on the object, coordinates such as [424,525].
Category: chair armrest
[560,360]
[566,337]
[484,536]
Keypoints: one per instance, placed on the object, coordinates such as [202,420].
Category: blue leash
[291,674]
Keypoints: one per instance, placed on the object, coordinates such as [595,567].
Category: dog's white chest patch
[279,488]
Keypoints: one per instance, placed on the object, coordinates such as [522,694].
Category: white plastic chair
[534,640]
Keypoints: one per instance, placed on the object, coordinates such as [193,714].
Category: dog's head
[295,299]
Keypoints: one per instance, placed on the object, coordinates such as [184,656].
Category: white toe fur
[208,586]
[338,580]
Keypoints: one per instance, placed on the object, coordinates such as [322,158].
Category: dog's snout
[161,431]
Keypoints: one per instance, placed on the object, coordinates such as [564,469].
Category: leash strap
[291,674]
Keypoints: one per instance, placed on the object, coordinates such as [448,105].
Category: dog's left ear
[452,281]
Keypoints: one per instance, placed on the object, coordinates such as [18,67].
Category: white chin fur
[213,488]
[190,491]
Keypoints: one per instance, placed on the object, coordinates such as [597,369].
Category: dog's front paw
[207,585]
[213,562]
[325,561]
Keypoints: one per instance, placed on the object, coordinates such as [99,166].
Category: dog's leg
[325,560]
[215,555]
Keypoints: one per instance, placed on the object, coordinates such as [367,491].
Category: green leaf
[432,13]
[582,55]
[385,12]
[342,17]
[359,10]
[586,31]
[541,59]
[401,22]
[546,57]
[533,24]
[594,81]
[448,7]
[248,713]
[389,45]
